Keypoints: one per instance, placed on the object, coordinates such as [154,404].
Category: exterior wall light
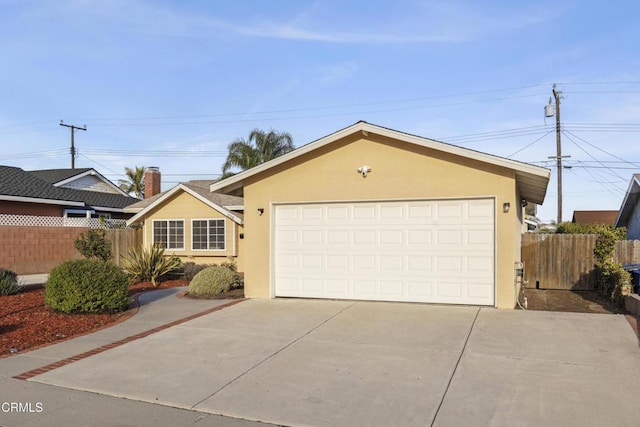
[506,206]
[260,211]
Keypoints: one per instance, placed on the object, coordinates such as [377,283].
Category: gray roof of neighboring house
[56,175]
[17,182]
[201,187]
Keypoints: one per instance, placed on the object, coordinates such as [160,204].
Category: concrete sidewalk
[32,279]
[314,362]
[61,406]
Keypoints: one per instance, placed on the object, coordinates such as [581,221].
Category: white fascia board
[43,201]
[215,206]
[91,172]
[98,208]
[234,207]
[174,190]
[235,181]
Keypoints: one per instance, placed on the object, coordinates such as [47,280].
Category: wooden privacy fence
[566,261]
[123,239]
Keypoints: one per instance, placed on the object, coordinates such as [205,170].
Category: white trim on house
[90,172]
[43,201]
[234,207]
[224,234]
[184,232]
[533,179]
[186,189]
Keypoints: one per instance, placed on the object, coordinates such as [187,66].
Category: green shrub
[149,264]
[212,281]
[231,265]
[94,245]
[619,233]
[190,269]
[87,286]
[8,282]
[613,281]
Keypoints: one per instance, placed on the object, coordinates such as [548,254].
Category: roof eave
[627,203]
[539,176]
[137,217]
[39,200]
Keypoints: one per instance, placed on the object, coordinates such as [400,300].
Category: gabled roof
[66,177]
[19,185]
[53,176]
[532,180]
[198,189]
[594,217]
[629,202]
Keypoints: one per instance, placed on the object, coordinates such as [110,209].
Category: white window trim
[224,227]
[153,232]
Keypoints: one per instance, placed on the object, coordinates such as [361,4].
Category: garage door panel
[427,251]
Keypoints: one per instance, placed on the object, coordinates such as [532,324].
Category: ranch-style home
[191,222]
[371,213]
[59,193]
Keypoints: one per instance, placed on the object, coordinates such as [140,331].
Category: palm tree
[259,148]
[134,182]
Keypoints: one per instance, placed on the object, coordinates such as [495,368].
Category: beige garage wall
[184,206]
[399,171]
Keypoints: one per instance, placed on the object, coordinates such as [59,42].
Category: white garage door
[424,251]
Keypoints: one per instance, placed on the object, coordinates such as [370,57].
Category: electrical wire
[528,145]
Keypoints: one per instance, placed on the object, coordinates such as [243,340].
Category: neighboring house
[193,223]
[531,221]
[629,214]
[370,213]
[594,217]
[68,193]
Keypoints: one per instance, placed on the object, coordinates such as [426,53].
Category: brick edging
[50,367]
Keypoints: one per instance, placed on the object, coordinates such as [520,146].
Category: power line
[528,145]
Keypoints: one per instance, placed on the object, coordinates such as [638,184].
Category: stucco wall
[184,206]
[399,171]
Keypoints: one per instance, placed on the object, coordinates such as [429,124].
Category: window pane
[199,235]
[160,233]
[216,234]
[176,235]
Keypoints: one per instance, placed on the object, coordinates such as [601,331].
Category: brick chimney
[151,181]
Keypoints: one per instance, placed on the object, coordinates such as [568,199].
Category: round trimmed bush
[87,286]
[212,281]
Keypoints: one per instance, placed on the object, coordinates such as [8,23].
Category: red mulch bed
[26,323]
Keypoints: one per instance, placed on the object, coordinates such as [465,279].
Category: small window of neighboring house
[208,234]
[168,234]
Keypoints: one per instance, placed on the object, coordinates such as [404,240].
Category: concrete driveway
[307,362]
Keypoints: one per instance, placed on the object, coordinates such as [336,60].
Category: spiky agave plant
[148,264]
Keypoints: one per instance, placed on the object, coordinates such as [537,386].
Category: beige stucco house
[376,214]
[193,223]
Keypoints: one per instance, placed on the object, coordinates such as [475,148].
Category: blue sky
[172,83]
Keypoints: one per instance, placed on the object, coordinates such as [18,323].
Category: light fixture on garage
[506,206]
[260,211]
[364,170]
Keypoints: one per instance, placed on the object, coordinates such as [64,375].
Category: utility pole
[73,147]
[557,95]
